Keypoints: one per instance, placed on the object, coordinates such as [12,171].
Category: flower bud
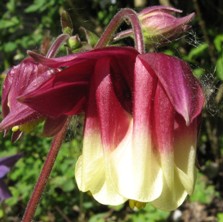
[91,37]
[74,42]
[66,23]
[159,25]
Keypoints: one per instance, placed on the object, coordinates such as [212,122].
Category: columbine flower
[26,76]
[159,25]
[5,165]
[141,121]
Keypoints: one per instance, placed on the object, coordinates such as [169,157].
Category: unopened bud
[159,25]
[91,37]
[66,23]
[74,42]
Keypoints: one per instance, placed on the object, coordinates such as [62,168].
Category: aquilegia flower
[141,120]
[5,165]
[26,76]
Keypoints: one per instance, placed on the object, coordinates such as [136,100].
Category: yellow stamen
[29,126]
[136,205]
[15,129]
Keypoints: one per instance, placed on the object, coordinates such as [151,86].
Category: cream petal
[135,168]
[178,168]
[89,175]
[174,192]
[171,197]
[108,195]
[92,175]
[185,154]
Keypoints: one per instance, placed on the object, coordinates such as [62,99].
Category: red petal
[70,60]
[53,126]
[65,99]
[64,93]
[144,91]
[182,88]
[114,120]
[163,121]
[22,115]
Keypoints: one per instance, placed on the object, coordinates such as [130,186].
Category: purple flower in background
[5,165]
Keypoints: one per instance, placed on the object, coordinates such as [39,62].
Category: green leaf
[149,213]
[11,5]
[10,47]
[198,72]
[220,217]
[91,37]
[5,24]
[68,185]
[218,41]
[219,67]
[98,218]
[38,5]
[198,51]
[203,193]
[1,213]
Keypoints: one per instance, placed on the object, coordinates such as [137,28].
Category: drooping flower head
[141,121]
[6,163]
[20,79]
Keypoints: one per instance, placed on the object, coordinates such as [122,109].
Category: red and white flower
[141,121]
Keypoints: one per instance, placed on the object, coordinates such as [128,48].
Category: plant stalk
[122,15]
[45,173]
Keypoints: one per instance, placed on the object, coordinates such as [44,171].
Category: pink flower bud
[159,25]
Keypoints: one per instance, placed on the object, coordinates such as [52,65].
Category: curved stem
[44,175]
[53,50]
[116,22]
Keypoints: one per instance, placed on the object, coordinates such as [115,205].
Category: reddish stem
[109,32]
[44,175]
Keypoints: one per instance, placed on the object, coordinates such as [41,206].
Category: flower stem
[44,175]
[53,50]
[109,32]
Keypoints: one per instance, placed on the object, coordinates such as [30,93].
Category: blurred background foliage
[25,25]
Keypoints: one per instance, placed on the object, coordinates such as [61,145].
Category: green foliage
[150,214]
[23,25]
[104,16]
[218,42]
[198,51]
[219,66]
[203,193]
[220,217]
